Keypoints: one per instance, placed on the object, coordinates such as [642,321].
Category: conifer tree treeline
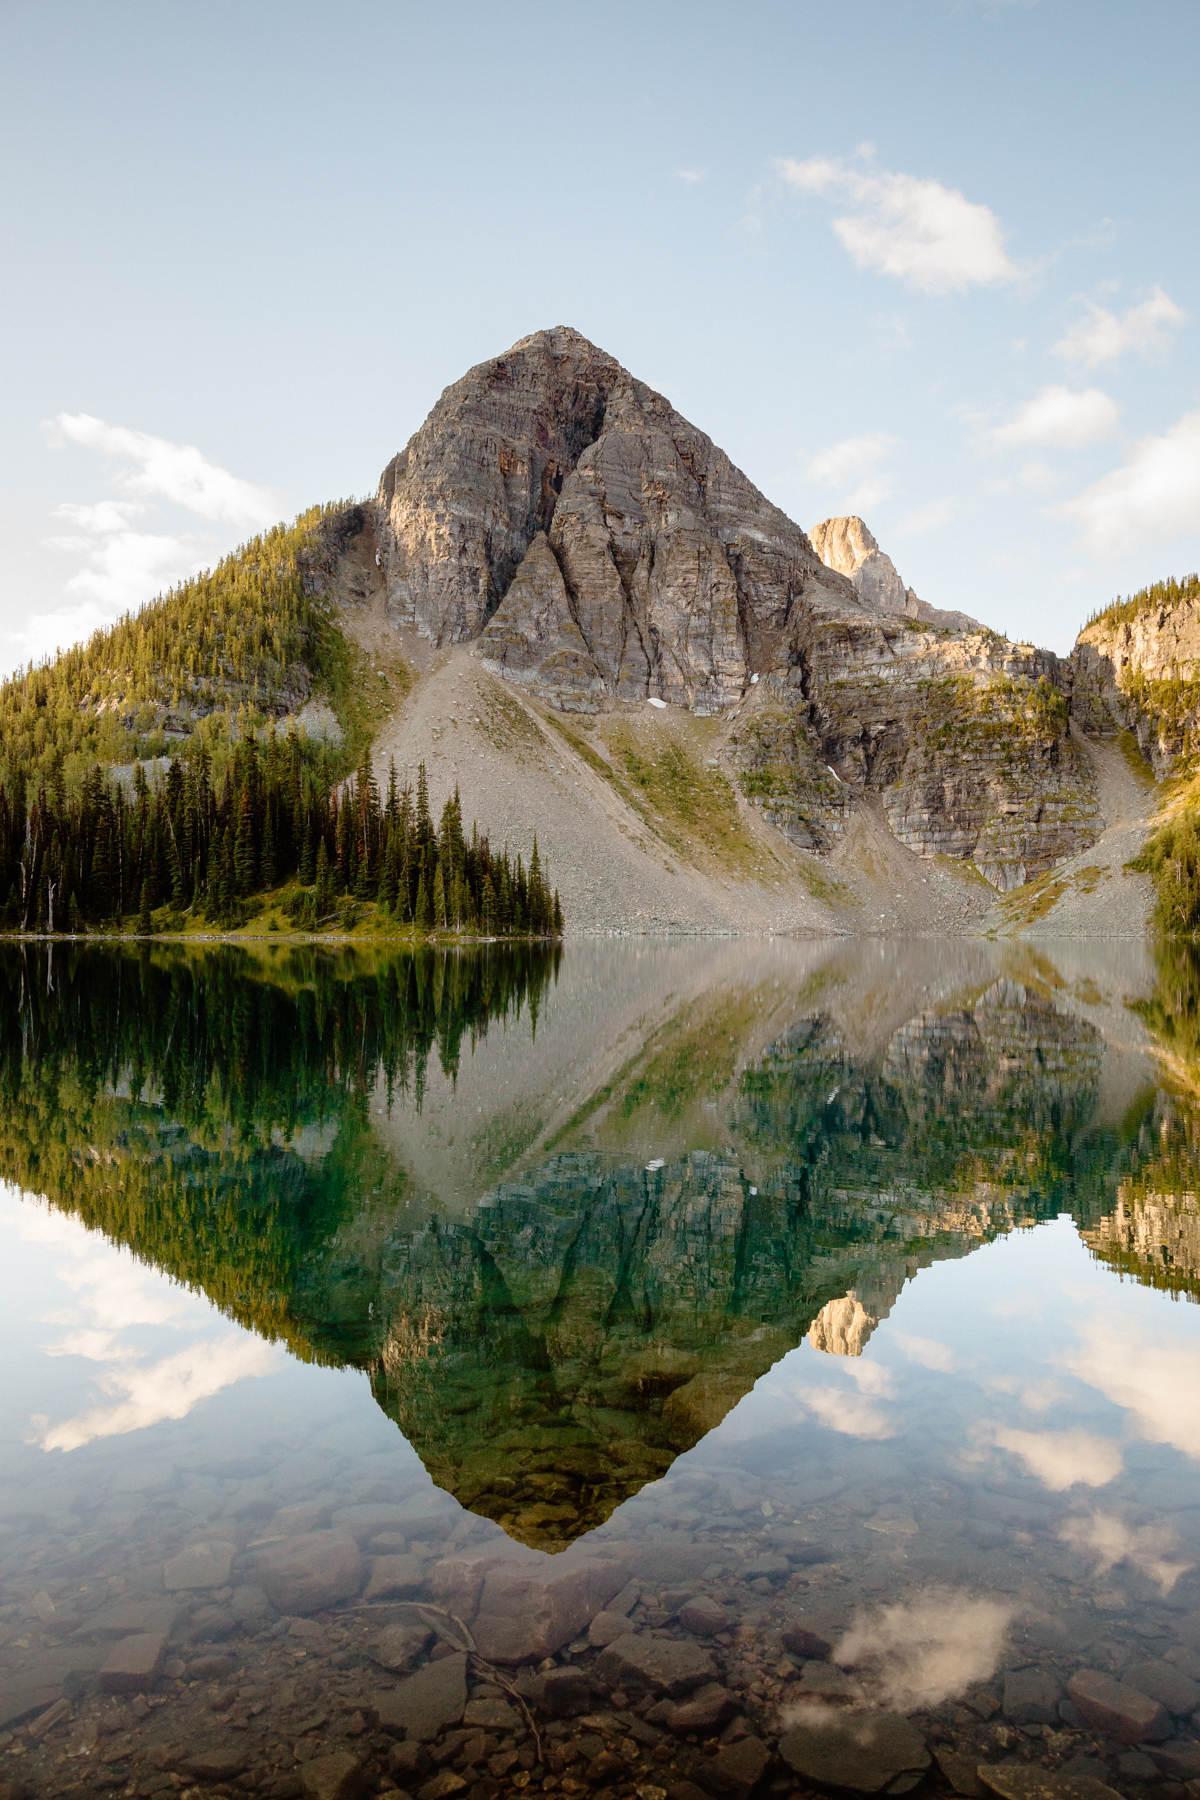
[107,856]
[250,637]
[202,676]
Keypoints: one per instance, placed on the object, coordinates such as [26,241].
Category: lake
[638,1369]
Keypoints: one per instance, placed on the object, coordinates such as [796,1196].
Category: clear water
[356,1311]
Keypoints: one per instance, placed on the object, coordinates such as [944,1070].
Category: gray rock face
[597,543]
[600,549]
[1142,674]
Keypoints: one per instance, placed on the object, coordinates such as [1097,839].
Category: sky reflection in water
[719,1245]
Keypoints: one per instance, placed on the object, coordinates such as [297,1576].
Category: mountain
[847,546]
[568,602]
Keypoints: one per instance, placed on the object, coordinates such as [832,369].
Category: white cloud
[144,1394]
[930,517]
[134,543]
[691,176]
[1110,1541]
[927,235]
[853,469]
[155,468]
[1063,418]
[918,1654]
[1157,1384]
[112,1297]
[1063,1459]
[1155,494]
[836,1405]
[1101,336]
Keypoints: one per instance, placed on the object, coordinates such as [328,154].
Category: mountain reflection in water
[555,1290]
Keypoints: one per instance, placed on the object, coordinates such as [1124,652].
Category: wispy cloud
[920,1653]
[1110,1541]
[171,510]
[852,469]
[113,1298]
[1102,336]
[155,468]
[846,1397]
[927,235]
[1060,418]
[1157,1383]
[1154,494]
[1062,1459]
[691,176]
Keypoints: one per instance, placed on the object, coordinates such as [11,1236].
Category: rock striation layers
[1137,668]
[601,551]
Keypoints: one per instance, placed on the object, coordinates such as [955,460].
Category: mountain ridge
[569,601]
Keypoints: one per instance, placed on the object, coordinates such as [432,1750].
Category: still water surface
[662,1370]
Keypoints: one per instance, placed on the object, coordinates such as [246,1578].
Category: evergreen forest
[156,777]
[271,825]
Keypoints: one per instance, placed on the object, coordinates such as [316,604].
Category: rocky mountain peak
[599,549]
[846,544]
[597,543]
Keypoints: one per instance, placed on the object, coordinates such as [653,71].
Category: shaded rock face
[846,545]
[1142,675]
[599,549]
[597,543]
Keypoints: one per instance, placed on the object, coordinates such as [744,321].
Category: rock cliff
[602,552]
[1137,668]
[846,545]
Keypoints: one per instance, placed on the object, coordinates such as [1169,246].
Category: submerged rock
[864,1751]
[308,1573]
[1116,1708]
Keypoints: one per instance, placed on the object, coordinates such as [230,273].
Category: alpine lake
[657,1369]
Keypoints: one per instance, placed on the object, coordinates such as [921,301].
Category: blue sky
[935,262]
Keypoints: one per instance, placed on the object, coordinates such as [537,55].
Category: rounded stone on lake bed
[338,1776]
[703,1617]
[308,1573]
[807,1645]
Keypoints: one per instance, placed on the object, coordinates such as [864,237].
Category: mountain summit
[595,542]
[598,550]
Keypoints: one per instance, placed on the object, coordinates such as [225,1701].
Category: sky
[932,262]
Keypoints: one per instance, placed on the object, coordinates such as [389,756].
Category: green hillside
[159,774]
